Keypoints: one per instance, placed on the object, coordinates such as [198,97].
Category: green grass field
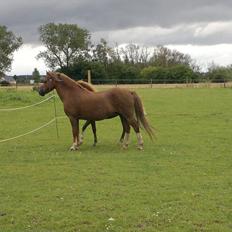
[181,182]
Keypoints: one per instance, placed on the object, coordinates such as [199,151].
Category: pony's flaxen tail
[139,112]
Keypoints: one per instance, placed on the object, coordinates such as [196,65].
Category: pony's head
[49,83]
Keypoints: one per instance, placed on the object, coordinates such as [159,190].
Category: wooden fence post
[89,76]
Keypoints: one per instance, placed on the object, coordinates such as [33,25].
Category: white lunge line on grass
[30,132]
[33,131]
[24,107]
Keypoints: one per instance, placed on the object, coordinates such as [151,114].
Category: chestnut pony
[93,124]
[80,103]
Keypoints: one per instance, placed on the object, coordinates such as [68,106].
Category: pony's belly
[94,116]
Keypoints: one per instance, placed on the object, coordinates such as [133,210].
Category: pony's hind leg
[123,129]
[125,133]
[134,123]
[93,124]
[87,123]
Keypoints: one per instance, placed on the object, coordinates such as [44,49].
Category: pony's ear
[48,73]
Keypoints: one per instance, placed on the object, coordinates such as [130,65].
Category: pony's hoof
[94,145]
[74,148]
[140,147]
[124,146]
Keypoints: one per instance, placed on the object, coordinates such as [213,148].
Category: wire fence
[105,82]
[29,132]
[147,83]
[29,106]
[139,83]
[35,129]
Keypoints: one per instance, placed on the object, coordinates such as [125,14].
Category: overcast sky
[202,28]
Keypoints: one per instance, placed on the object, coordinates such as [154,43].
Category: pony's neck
[65,88]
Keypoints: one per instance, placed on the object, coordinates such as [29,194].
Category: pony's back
[86,85]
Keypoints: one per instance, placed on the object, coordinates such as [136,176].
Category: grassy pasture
[182,182]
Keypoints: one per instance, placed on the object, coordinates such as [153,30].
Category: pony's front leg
[75,132]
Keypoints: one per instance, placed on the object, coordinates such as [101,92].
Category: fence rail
[144,83]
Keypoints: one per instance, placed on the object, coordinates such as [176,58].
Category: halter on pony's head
[49,82]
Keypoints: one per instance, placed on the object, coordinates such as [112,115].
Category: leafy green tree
[182,74]
[219,73]
[166,57]
[64,43]
[15,78]
[36,75]
[76,71]
[124,73]
[149,72]
[98,71]
[134,54]
[9,43]
[102,53]
[174,74]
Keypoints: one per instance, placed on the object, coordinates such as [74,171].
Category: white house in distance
[8,79]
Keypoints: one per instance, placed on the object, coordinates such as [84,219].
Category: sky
[201,28]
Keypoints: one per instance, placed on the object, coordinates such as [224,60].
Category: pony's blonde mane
[70,82]
[65,78]
[87,86]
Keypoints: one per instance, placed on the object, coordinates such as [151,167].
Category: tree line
[69,49]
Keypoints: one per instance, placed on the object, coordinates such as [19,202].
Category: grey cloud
[201,34]
[104,18]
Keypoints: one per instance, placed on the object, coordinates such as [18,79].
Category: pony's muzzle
[41,92]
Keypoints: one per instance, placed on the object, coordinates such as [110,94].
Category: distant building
[7,80]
